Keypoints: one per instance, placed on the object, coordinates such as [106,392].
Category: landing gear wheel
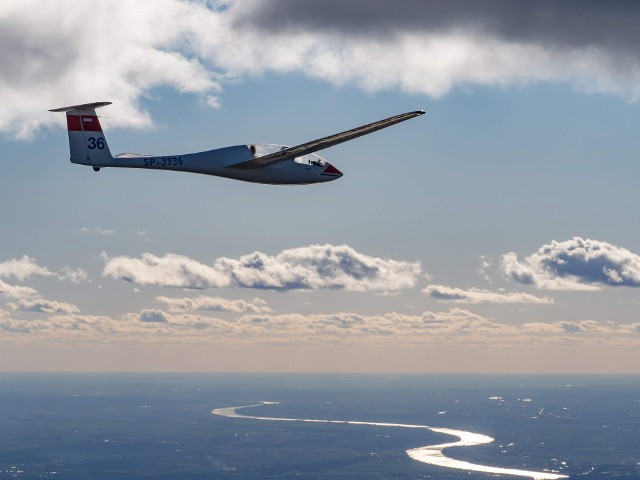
[96,169]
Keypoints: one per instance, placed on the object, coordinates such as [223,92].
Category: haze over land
[497,233]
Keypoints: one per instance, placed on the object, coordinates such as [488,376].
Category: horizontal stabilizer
[84,106]
[325,142]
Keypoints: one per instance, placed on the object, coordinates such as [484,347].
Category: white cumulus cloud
[575,264]
[312,267]
[169,270]
[78,51]
[22,268]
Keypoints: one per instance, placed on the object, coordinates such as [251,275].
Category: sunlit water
[151,426]
[431,454]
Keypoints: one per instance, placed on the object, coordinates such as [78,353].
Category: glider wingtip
[84,106]
[415,113]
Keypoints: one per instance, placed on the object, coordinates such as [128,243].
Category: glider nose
[331,170]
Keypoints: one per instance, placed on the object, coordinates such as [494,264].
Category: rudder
[87,143]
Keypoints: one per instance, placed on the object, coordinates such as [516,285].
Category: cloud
[43,306]
[26,267]
[98,230]
[68,54]
[475,295]
[156,324]
[353,327]
[64,327]
[22,268]
[214,304]
[431,46]
[312,267]
[170,270]
[575,264]
[574,23]
[153,316]
[16,291]
[11,326]
[485,264]
[425,47]
[74,275]
[584,326]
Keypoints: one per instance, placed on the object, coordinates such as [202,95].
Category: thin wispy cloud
[425,47]
[98,230]
[575,264]
[476,295]
[312,267]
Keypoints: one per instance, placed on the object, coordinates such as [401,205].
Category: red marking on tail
[86,123]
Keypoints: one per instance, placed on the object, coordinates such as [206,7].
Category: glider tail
[87,143]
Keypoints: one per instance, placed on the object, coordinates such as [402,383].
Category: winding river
[431,454]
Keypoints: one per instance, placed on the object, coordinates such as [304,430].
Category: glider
[258,163]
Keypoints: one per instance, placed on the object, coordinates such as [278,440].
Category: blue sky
[527,141]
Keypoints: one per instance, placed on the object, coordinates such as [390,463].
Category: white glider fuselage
[297,171]
[258,163]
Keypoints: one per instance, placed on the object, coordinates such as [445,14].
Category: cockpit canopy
[261,149]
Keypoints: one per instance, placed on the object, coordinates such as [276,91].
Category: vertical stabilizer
[87,143]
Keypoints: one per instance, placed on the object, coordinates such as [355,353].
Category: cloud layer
[575,264]
[454,326]
[312,267]
[476,295]
[206,320]
[68,53]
